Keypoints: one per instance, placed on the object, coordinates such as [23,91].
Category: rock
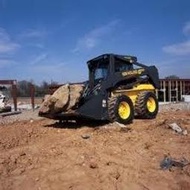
[59,98]
[121,125]
[75,94]
[63,99]
[56,102]
[185,132]
[93,164]
[176,127]
[85,136]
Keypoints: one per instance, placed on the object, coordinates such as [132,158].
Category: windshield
[100,70]
[121,66]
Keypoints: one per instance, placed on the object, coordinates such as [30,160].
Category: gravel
[174,106]
[25,115]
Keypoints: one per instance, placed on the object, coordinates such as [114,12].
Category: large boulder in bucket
[64,99]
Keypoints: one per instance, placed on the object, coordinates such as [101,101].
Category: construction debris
[3,103]
[167,163]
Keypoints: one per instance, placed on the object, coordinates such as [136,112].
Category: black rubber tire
[141,108]
[113,109]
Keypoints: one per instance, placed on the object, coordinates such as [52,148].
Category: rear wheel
[121,109]
[146,105]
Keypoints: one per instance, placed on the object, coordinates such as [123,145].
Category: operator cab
[108,64]
[122,65]
[100,69]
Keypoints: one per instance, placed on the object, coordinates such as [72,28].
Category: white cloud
[171,67]
[39,59]
[178,49]
[7,47]
[49,69]
[33,33]
[182,48]
[6,44]
[95,36]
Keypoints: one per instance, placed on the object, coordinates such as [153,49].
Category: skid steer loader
[119,88]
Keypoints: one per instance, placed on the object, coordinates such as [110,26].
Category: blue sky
[52,40]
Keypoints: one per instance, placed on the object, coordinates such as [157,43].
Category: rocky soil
[41,154]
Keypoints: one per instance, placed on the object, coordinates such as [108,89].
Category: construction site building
[174,90]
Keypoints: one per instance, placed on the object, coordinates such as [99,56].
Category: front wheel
[121,109]
[146,105]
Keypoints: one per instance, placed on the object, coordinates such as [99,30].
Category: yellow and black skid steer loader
[119,88]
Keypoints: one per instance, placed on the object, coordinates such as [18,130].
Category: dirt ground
[42,154]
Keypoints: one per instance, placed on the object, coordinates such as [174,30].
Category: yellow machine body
[133,93]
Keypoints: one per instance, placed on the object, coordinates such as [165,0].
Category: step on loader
[119,88]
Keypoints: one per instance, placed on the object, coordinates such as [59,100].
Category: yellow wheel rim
[151,104]
[124,110]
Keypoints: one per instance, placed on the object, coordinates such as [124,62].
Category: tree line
[24,88]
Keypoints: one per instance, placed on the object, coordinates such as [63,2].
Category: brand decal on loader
[134,72]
